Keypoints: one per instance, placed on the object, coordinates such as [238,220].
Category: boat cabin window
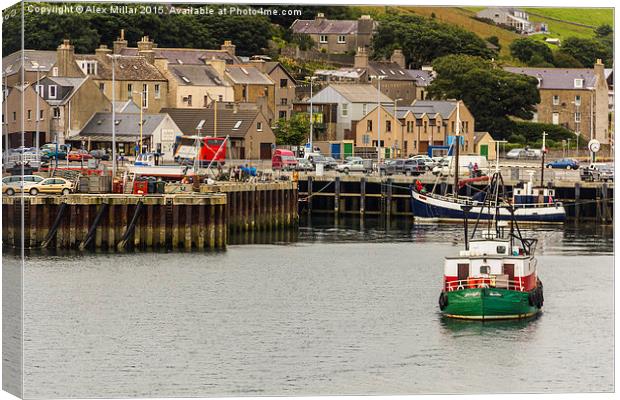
[501,249]
[485,269]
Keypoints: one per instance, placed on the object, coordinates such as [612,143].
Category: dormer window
[579,83]
[52,91]
[237,125]
[89,67]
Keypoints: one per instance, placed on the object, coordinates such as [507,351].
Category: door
[348,150]
[423,147]
[462,273]
[265,151]
[484,150]
[335,150]
[509,269]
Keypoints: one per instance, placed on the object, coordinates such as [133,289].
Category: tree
[424,39]
[564,60]
[293,131]
[494,40]
[524,49]
[604,31]
[587,51]
[491,94]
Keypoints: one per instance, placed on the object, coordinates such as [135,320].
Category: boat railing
[492,204]
[484,282]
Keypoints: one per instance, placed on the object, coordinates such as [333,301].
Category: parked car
[566,163]
[283,159]
[415,167]
[304,165]
[79,155]
[100,155]
[598,172]
[27,158]
[330,163]
[355,166]
[19,183]
[52,186]
[53,151]
[524,154]
[352,158]
[427,162]
[391,167]
[317,159]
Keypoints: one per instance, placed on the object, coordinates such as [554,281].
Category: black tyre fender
[443,301]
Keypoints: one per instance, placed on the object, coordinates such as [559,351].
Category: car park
[19,183]
[330,163]
[52,186]
[355,166]
[563,163]
[100,155]
[79,155]
[55,151]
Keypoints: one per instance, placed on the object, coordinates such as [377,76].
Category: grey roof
[391,70]
[128,124]
[558,78]
[422,77]
[73,83]
[186,56]
[270,66]
[196,75]
[359,92]
[235,123]
[247,75]
[126,106]
[324,26]
[32,58]
[127,68]
[429,107]
[347,73]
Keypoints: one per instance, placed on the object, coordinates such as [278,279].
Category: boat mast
[456,151]
[542,167]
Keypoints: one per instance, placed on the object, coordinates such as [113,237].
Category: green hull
[488,303]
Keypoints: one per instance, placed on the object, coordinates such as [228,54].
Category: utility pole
[310,139]
[542,169]
[402,132]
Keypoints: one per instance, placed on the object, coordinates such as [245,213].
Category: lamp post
[5,95]
[114,161]
[37,111]
[141,119]
[311,79]
[379,78]
[542,169]
[402,133]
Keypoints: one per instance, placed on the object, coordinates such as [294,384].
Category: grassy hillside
[587,16]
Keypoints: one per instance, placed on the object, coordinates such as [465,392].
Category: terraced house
[575,98]
[337,36]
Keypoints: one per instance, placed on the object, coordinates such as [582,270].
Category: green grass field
[587,16]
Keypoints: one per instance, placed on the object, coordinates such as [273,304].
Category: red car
[79,155]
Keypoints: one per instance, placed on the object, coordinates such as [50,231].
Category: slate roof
[186,56]
[558,78]
[127,68]
[348,73]
[196,75]
[391,70]
[271,65]
[324,26]
[187,119]
[422,77]
[45,59]
[73,83]
[247,75]
[128,126]
[429,107]
[359,93]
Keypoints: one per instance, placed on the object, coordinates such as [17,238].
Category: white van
[446,168]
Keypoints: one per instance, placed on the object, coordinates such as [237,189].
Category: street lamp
[141,119]
[379,78]
[114,162]
[311,79]
[37,111]
[402,135]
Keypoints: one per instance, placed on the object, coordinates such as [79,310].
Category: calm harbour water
[344,309]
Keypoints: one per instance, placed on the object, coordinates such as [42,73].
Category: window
[145,96]
[259,126]
[129,89]
[577,117]
[365,139]
[364,109]
[284,101]
[29,115]
[220,98]
[282,115]
[14,116]
[323,39]
[388,126]
[40,91]
[578,83]
[157,91]
[345,110]
[89,67]
[369,126]
[501,249]
[283,83]
[556,100]
[485,269]
[577,100]
[102,86]
[55,71]
[237,125]
[555,118]
[56,112]
[52,91]
[342,39]
[40,114]
[409,126]
[453,127]
[425,126]
[189,99]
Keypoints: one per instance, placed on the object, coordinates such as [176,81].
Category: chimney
[120,43]
[365,25]
[218,65]
[258,64]
[599,70]
[145,49]
[102,53]
[228,47]
[361,58]
[65,59]
[161,63]
[320,17]
[398,57]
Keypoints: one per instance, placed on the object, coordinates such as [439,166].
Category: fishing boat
[495,276]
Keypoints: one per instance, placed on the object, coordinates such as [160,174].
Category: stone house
[575,98]
[34,60]
[13,116]
[423,78]
[159,133]
[518,19]
[485,145]
[345,104]
[251,136]
[412,129]
[250,85]
[284,89]
[337,36]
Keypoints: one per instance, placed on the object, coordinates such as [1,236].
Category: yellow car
[52,186]
[17,183]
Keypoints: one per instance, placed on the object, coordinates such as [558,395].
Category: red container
[140,187]
[117,186]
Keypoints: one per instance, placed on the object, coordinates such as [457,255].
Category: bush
[532,133]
